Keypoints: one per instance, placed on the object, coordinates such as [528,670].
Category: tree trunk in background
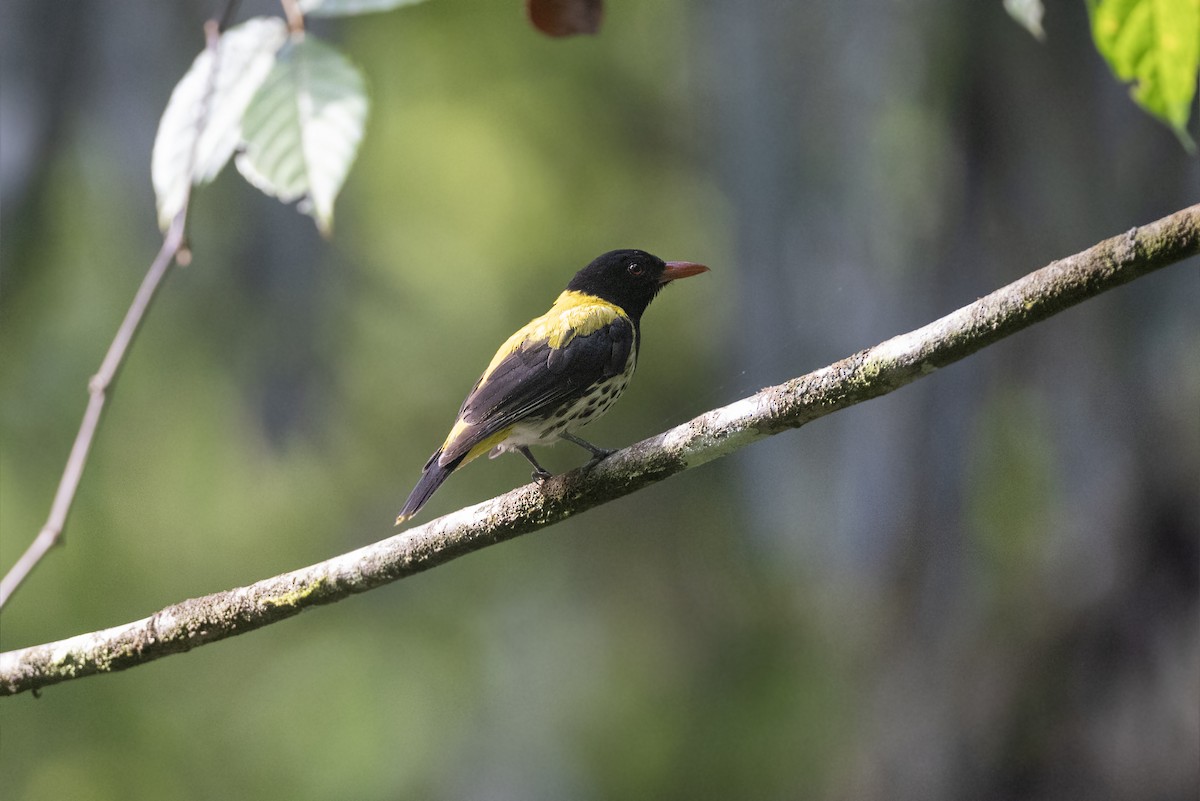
[1031,545]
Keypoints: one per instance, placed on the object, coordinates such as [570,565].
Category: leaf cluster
[289,110]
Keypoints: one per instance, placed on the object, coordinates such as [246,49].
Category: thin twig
[173,248]
[51,532]
[865,375]
[294,16]
[226,19]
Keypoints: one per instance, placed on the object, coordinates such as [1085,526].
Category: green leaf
[184,155]
[1029,14]
[342,8]
[303,128]
[1156,45]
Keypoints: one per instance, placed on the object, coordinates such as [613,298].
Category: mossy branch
[862,376]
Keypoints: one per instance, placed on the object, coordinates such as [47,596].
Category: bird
[558,372]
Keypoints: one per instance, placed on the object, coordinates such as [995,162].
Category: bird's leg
[540,473]
[598,454]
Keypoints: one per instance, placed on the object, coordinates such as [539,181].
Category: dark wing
[535,379]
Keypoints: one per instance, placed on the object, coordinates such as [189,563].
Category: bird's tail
[431,478]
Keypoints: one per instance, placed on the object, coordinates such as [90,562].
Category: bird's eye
[634,268]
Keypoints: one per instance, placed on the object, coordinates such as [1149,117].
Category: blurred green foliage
[902,602]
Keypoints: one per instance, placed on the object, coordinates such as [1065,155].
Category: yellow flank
[573,314]
[486,445]
[459,427]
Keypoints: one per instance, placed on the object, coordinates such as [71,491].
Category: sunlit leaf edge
[304,126]
[344,8]
[180,157]
[1132,35]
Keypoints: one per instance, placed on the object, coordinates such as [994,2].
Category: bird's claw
[541,476]
[598,456]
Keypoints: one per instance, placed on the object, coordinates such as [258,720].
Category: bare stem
[173,248]
[295,17]
[862,376]
[98,387]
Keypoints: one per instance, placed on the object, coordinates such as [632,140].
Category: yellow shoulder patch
[574,314]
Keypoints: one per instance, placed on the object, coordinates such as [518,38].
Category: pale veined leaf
[183,154]
[339,8]
[1029,13]
[301,132]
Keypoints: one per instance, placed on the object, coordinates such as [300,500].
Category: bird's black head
[630,278]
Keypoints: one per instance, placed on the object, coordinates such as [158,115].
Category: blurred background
[983,586]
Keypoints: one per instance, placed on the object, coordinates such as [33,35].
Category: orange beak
[681,269]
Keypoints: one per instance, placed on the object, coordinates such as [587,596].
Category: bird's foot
[540,474]
[598,456]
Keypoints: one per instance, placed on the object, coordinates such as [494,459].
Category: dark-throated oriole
[559,372]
